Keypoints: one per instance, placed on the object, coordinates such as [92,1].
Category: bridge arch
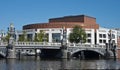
[87,53]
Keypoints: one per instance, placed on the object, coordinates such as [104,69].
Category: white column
[50,35]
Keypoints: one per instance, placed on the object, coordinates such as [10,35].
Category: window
[89,40]
[104,35]
[56,37]
[100,35]
[113,41]
[104,41]
[88,35]
[29,37]
[113,36]
[100,41]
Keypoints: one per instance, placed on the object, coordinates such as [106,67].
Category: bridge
[73,49]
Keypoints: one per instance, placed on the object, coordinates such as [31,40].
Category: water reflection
[30,63]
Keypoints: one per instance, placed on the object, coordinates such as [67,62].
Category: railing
[52,44]
[85,45]
[36,44]
[3,43]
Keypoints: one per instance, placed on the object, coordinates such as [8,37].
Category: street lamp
[112,45]
[63,41]
[2,35]
[110,39]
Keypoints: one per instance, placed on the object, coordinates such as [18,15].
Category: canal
[32,63]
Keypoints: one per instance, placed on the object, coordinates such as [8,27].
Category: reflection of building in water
[53,29]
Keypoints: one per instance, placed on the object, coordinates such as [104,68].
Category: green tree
[39,37]
[77,35]
[22,37]
[6,38]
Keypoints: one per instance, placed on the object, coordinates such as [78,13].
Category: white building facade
[99,37]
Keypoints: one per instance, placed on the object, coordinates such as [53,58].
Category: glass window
[113,41]
[29,37]
[88,35]
[104,41]
[100,41]
[104,35]
[89,40]
[100,35]
[113,36]
[56,37]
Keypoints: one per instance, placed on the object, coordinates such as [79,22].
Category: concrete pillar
[10,53]
[50,36]
[10,49]
[64,44]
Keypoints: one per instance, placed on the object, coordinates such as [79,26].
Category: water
[30,63]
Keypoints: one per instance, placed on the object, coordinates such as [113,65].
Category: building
[118,41]
[95,34]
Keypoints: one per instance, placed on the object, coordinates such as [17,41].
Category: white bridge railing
[2,44]
[36,44]
[85,45]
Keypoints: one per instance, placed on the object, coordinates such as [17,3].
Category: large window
[104,35]
[104,41]
[89,40]
[29,37]
[100,35]
[113,36]
[56,37]
[100,41]
[88,35]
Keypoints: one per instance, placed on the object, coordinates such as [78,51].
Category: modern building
[95,34]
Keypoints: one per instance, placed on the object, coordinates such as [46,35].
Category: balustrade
[52,44]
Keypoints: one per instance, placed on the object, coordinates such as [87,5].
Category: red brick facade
[68,22]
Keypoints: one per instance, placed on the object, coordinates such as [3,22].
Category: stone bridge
[71,48]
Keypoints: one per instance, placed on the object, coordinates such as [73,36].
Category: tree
[6,38]
[22,38]
[39,37]
[77,35]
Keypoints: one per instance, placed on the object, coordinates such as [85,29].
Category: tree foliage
[6,38]
[23,37]
[41,36]
[77,35]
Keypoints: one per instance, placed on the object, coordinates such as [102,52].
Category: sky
[23,12]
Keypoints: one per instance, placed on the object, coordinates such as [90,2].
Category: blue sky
[23,12]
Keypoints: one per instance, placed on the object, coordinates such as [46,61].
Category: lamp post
[112,46]
[1,35]
[110,39]
[64,43]
[10,53]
